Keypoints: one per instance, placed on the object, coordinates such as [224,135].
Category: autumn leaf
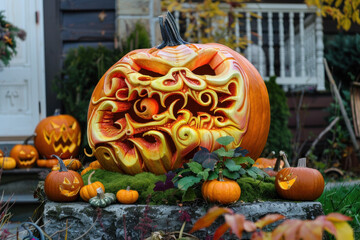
[236,223]
[220,231]
[268,219]
[210,217]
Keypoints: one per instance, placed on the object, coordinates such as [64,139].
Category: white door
[22,82]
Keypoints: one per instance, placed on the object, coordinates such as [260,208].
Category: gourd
[155,107]
[47,163]
[127,196]
[102,199]
[221,190]
[24,154]
[89,191]
[7,163]
[299,183]
[63,185]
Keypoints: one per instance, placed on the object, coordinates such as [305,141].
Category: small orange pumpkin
[63,185]
[127,196]
[85,170]
[299,183]
[24,154]
[95,165]
[7,163]
[89,191]
[71,164]
[221,190]
[268,162]
[47,163]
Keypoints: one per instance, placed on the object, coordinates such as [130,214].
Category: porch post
[319,53]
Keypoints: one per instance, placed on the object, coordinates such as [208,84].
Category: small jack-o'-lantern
[24,154]
[59,135]
[299,183]
[153,109]
[63,185]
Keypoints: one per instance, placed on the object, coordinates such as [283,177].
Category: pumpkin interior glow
[153,109]
[68,188]
[286,182]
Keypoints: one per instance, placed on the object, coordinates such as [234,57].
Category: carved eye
[54,125]
[204,70]
[76,180]
[32,153]
[149,73]
[66,181]
[22,152]
[73,126]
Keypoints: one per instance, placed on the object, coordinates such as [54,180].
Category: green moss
[251,189]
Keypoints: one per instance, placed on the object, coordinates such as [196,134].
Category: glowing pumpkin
[299,183]
[63,185]
[24,154]
[153,109]
[59,135]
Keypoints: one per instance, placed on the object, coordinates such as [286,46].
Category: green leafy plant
[206,165]
[8,35]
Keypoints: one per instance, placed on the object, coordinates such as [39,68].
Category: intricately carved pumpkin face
[153,109]
[25,155]
[58,135]
[70,188]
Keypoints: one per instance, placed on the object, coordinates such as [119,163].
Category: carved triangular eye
[76,180]
[32,153]
[21,152]
[73,126]
[54,125]
[66,181]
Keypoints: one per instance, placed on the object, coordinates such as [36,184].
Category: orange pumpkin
[59,135]
[153,109]
[72,164]
[272,165]
[1,153]
[222,190]
[127,196]
[299,183]
[89,191]
[24,154]
[95,165]
[63,185]
[85,170]
[47,163]
[7,163]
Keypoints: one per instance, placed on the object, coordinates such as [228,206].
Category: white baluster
[319,53]
[260,43]
[248,35]
[302,46]
[237,32]
[271,44]
[292,44]
[282,50]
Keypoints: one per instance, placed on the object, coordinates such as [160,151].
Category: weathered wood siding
[87,23]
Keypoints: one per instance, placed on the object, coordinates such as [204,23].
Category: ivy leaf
[259,172]
[186,182]
[195,167]
[206,158]
[232,166]
[242,160]
[231,175]
[213,175]
[252,173]
[221,152]
[204,174]
[239,151]
[226,140]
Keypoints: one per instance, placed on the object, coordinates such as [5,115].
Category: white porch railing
[287,41]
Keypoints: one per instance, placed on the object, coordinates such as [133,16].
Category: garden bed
[86,222]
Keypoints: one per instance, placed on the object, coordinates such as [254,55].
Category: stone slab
[81,217]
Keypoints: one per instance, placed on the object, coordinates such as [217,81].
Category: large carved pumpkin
[153,109]
[59,134]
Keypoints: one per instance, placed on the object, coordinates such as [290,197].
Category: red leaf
[337,217]
[220,231]
[287,230]
[209,218]
[310,230]
[249,226]
[327,225]
[268,219]
[236,223]
[258,235]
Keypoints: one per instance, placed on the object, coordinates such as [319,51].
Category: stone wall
[81,217]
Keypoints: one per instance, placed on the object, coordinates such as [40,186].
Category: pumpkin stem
[271,154]
[284,157]
[128,188]
[63,168]
[277,164]
[89,178]
[302,162]
[221,177]
[100,193]
[28,138]
[169,32]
